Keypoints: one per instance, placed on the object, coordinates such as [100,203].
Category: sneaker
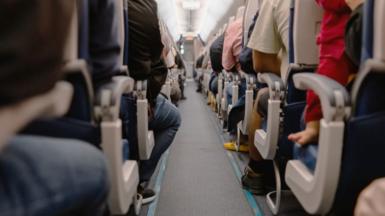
[147,194]
[253,182]
[231,146]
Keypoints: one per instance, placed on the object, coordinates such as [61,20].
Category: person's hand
[353,4]
[308,136]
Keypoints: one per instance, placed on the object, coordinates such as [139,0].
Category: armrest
[108,97]
[267,141]
[275,84]
[334,98]
[123,174]
[51,104]
[316,191]
[80,66]
[124,71]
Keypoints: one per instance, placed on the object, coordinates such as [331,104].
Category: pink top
[232,45]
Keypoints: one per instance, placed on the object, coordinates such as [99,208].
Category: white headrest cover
[307,23]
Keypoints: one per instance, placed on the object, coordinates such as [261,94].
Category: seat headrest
[231,19]
[71,47]
[51,104]
[379,30]
[240,12]
[307,23]
[251,9]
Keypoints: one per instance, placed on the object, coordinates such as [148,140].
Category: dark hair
[32,38]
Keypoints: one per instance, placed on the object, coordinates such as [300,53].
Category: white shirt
[271,31]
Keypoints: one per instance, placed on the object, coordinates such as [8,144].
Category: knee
[89,166]
[93,167]
[177,119]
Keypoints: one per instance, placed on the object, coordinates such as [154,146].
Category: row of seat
[350,146]
[92,114]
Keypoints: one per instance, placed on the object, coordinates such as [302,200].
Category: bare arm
[263,62]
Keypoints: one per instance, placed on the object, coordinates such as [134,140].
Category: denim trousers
[45,176]
[165,124]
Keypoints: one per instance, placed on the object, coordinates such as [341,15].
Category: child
[333,63]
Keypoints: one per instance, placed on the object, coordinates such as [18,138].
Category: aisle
[198,179]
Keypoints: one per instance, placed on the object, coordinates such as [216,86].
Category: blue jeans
[45,176]
[241,91]
[165,124]
[214,83]
[307,154]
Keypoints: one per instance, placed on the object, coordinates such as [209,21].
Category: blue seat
[94,111]
[351,144]
[286,103]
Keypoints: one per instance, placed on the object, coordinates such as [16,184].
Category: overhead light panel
[191,4]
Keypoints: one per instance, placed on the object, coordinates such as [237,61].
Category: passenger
[144,62]
[333,63]
[181,74]
[238,110]
[269,42]
[216,52]
[353,32]
[198,65]
[42,176]
[232,47]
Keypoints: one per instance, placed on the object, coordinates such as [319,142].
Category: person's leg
[229,93]
[254,176]
[255,123]
[214,85]
[165,124]
[44,176]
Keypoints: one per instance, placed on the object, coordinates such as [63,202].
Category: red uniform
[333,61]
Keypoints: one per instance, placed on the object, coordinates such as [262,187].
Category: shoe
[231,146]
[148,195]
[253,182]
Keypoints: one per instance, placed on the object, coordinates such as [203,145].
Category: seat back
[306,25]
[240,12]
[364,138]
[71,46]
[78,49]
[252,6]
[121,13]
[231,19]
[126,35]
[379,30]
[83,29]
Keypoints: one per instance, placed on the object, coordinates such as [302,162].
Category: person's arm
[337,6]
[266,41]
[263,62]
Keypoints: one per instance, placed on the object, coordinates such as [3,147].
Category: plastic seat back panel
[362,161]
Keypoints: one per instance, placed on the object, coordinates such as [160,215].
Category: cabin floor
[198,177]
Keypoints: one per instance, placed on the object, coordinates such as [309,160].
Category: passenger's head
[32,37]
